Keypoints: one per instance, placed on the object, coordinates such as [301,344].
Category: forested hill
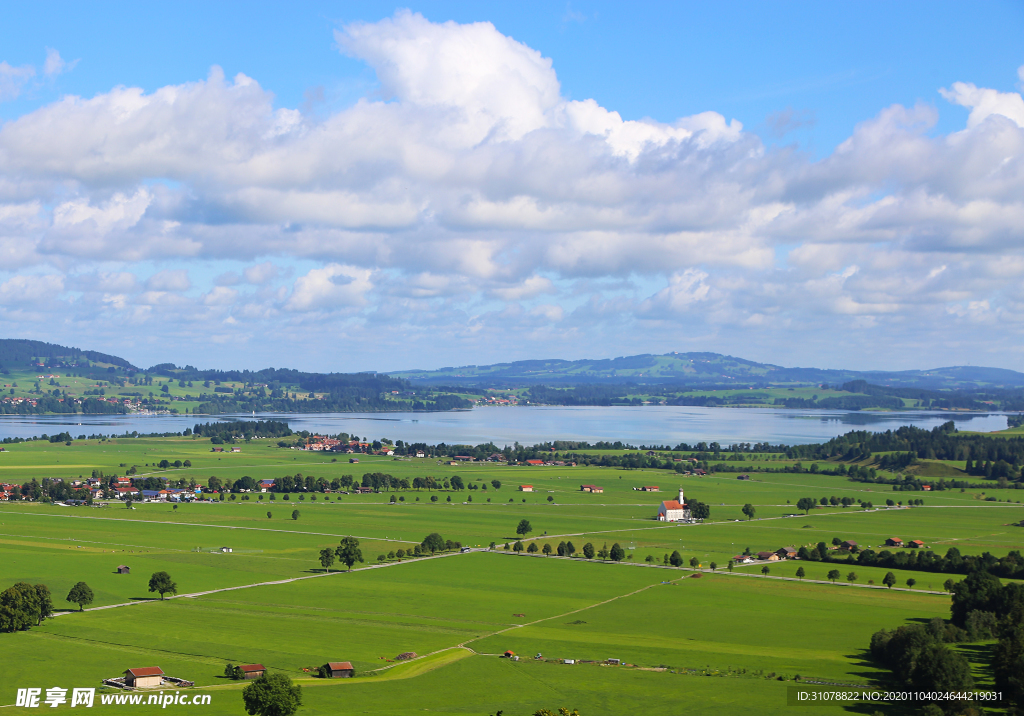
[706,369]
[21,353]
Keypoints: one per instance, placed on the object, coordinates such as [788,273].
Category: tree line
[920,658]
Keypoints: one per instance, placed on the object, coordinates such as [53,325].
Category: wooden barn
[339,670]
[147,677]
[123,569]
[252,671]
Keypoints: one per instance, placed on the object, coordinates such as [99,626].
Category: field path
[256,584]
[221,527]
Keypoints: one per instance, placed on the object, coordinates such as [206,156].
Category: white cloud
[332,288]
[12,79]
[470,183]
[169,280]
[261,273]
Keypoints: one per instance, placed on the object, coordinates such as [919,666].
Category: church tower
[682,501]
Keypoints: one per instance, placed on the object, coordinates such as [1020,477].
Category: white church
[674,510]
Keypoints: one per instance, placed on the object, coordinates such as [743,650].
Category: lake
[534,424]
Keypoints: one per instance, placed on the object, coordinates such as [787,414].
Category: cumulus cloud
[332,288]
[470,184]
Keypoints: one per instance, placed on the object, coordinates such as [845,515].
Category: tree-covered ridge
[21,352]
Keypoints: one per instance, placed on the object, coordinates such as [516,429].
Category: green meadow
[720,642]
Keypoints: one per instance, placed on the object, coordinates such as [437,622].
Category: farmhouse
[123,569]
[768,556]
[146,677]
[216,449]
[786,553]
[915,544]
[650,488]
[339,670]
[741,559]
[894,542]
[265,485]
[848,545]
[534,462]
[526,488]
[252,671]
[674,510]
[591,488]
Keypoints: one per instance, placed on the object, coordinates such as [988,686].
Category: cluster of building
[153,677]
[848,546]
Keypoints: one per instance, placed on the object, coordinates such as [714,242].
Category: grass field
[720,642]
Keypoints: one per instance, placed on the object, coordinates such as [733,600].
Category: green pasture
[721,626]
[728,638]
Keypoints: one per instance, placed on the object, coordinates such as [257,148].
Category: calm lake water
[530,425]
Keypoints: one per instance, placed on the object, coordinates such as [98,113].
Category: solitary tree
[295,514]
[731,563]
[81,595]
[327,558]
[851,577]
[161,582]
[433,542]
[833,575]
[806,504]
[800,573]
[765,570]
[272,695]
[269,515]
[714,566]
[617,553]
[889,579]
[911,582]
[749,511]
[676,560]
[348,552]
[588,550]
[694,562]
[524,528]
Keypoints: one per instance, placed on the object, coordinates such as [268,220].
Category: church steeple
[682,500]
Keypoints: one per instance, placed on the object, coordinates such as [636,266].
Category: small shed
[145,677]
[915,543]
[894,542]
[526,488]
[123,569]
[405,656]
[252,671]
[339,670]
[849,545]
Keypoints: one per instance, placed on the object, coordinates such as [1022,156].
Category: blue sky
[379,188]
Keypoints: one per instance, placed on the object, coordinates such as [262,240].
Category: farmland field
[726,641]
